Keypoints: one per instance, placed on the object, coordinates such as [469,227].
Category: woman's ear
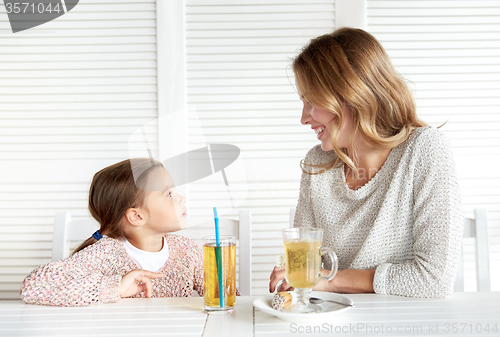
[135,217]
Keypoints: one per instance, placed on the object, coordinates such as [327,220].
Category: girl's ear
[135,217]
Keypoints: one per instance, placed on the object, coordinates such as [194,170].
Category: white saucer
[264,304]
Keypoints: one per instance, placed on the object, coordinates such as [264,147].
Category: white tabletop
[464,314]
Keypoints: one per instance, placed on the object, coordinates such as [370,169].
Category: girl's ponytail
[84,244]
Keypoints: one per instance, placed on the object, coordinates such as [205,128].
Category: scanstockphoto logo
[28,14]
[212,172]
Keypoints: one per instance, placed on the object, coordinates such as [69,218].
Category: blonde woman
[382,184]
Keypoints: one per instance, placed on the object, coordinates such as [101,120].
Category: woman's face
[323,121]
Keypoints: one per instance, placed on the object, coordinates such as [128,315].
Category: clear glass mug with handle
[303,251]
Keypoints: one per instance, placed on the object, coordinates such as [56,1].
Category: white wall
[72,95]
[450,52]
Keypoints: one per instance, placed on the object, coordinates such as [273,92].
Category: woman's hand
[346,281]
[277,275]
[349,281]
[136,282]
[324,285]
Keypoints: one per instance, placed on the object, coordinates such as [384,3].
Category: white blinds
[71,93]
[450,51]
[237,58]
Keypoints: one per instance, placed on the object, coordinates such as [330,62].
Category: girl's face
[323,121]
[166,210]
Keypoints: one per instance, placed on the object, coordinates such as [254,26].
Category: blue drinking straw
[218,259]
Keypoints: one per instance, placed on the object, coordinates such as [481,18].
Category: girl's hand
[278,274]
[136,282]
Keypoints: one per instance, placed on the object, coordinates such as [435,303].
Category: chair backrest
[66,230]
[477,228]
[242,230]
[473,228]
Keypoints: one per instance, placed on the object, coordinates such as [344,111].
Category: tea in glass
[303,250]
[303,261]
[227,253]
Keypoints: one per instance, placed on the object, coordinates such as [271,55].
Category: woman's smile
[319,131]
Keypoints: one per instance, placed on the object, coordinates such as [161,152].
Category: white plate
[329,309]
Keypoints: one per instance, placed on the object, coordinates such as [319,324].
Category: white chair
[66,231]
[473,228]
[242,230]
[477,228]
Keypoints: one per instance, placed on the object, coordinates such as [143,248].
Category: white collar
[151,261]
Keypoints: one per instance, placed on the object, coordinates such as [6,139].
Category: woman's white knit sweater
[406,222]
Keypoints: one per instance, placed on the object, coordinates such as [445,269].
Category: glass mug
[303,250]
[211,295]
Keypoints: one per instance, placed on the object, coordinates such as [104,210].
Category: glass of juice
[219,297]
[303,250]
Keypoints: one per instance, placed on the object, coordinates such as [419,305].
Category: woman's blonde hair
[116,188]
[349,66]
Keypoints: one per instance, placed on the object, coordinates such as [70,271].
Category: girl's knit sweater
[93,274]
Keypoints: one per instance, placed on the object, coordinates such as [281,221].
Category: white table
[379,315]
[464,314]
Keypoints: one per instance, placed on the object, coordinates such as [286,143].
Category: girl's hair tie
[97,235]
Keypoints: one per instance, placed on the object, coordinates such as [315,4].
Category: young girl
[130,255]
[382,184]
